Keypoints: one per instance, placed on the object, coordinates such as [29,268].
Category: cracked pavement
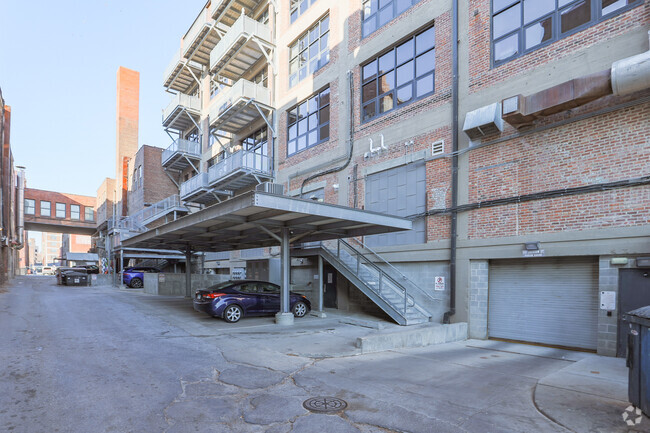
[98,359]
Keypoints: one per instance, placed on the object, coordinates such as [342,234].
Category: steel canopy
[258,219]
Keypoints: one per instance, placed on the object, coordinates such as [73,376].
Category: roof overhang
[257,219]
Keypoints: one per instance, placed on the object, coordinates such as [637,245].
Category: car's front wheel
[232,313]
[136,283]
[299,309]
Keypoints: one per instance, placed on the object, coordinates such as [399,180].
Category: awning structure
[261,219]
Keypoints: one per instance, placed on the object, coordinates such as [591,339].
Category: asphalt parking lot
[103,359]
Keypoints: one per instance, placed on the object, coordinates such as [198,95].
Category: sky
[58,68]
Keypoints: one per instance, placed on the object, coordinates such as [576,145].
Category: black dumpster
[73,278]
[638,357]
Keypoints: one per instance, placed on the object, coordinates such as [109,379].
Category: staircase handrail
[408,299]
[404,277]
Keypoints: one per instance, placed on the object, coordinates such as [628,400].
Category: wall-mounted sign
[533,253]
[608,301]
[161,277]
[439,284]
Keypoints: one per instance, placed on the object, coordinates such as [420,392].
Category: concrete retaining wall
[101,279]
[174,284]
[415,337]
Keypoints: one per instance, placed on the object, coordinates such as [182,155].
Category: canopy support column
[188,272]
[285,317]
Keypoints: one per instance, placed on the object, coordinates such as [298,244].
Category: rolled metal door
[547,301]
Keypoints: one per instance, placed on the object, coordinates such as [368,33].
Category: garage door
[548,301]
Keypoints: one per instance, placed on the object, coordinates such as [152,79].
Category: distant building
[51,244]
[71,243]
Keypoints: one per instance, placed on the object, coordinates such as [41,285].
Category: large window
[521,26]
[257,147]
[309,122]
[75,212]
[376,13]
[30,206]
[399,76]
[46,208]
[60,210]
[298,7]
[89,214]
[309,52]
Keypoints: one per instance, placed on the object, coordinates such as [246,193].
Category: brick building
[521,153]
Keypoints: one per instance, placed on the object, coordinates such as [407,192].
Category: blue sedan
[233,300]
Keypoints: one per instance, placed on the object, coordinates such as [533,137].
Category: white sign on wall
[608,301]
[238,273]
[439,284]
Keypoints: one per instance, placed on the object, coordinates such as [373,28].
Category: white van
[48,270]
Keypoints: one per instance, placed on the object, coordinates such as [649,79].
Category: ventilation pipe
[20,198]
[632,74]
[625,77]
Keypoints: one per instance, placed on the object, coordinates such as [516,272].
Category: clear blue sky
[58,66]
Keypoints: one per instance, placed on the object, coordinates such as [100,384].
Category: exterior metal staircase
[386,286]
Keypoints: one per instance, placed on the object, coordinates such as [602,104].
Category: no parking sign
[440,284]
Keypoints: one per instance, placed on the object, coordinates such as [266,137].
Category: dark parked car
[134,277]
[233,300]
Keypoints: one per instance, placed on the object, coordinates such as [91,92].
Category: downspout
[454,166]
[20,216]
[350,142]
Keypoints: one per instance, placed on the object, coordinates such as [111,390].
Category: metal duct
[632,74]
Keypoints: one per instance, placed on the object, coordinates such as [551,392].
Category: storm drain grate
[325,404]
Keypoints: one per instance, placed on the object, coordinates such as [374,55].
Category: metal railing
[191,148]
[382,284]
[395,273]
[194,184]
[172,65]
[159,209]
[243,160]
[245,27]
[197,25]
[183,100]
[242,89]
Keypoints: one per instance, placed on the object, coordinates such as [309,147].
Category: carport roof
[256,219]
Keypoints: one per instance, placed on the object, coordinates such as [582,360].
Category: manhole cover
[325,404]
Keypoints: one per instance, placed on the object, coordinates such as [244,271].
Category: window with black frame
[377,13]
[299,7]
[75,212]
[46,208]
[309,122]
[521,26]
[309,52]
[60,210]
[402,75]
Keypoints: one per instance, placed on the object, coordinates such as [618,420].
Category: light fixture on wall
[532,246]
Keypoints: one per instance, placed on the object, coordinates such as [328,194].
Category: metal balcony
[171,204]
[246,42]
[181,74]
[181,154]
[240,170]
[240,105]
[226,12]
[183,112]
[200,39]
[197,190]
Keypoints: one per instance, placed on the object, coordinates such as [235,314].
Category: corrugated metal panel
[400,191]
[549,301]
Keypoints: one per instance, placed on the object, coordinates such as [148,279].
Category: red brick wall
[59,197]
[601,149]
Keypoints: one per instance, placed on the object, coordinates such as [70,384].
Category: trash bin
[638,357]
[75,279]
